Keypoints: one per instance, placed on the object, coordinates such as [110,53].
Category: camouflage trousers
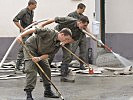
[31,70]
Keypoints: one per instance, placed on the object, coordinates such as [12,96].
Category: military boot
[82,67]
[29,95]
[49,93]
[18,64]
[65,73]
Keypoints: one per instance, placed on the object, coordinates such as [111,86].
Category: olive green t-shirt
[71,23]
[43,42]
[25,16]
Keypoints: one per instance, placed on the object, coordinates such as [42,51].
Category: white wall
[119,16]
[45,9]
[119,26]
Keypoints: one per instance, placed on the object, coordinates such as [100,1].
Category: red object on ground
[91,71]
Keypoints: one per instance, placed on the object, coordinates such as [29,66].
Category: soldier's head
[83,22]
[32,4]
[81,8]
[65,36]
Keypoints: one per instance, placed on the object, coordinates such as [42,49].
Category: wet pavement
[85,88]
[105,86]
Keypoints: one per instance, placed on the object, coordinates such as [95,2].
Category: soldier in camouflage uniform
[82,41]
[76,27]
[79,11]
[23,19]
[44,44]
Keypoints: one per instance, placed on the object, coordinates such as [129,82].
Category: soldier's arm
[89,33]
[71,15]
[17,18]
[42,57]
[47,22]
[19,26]
[64,20]
[88,29]
[60,20]
[25,33]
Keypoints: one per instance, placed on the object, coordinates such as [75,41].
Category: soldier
[23,19]
[76,26]
[79,11]
[43,45]
[82,41]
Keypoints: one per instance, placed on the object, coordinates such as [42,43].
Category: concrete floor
[85,88]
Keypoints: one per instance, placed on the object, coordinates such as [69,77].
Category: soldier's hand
[36,59]
[42,57]
[19,39]
[22,30]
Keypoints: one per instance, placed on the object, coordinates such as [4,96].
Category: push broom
[90,69]
[26,49]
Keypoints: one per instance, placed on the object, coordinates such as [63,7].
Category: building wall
[121,43]
[119,26]
[119,16]
[45,9]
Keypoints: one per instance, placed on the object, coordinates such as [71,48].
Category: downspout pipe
[102,20]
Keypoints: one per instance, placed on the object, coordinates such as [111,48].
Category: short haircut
[31,2]
[66,31]
[84,19]
[81,6]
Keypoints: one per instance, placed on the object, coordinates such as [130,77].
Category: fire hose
[94,38]
[13,43]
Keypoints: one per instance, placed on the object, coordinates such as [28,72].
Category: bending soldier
[44,44]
